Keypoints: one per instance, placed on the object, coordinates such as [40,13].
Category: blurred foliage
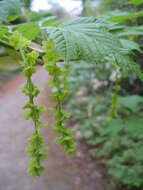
[28,30]
[117,142]
[121,143]
[27,3]
[120,16]
[37,16]
[9,10]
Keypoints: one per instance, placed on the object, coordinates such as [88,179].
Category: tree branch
[32,46]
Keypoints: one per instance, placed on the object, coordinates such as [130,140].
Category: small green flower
[60,92]
[18,41]
[35,148]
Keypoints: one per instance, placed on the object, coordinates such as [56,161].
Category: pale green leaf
[3,30]
[130,102]
[120,16]
[28,30]
[131,45]
[9,10]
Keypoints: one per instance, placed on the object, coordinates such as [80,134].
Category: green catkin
[114,100]
[60,92]
[35,148]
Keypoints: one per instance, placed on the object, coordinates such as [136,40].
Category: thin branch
[32,46]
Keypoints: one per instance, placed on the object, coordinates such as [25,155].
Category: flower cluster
[35,148]
[59,93]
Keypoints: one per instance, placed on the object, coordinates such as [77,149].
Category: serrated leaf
[84,38]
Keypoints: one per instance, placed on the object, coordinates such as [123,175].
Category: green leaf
[89,39]
[135,2]
[113,129]
[130,45]
[85,38]
[9,10]
[36,16]
[130,31]
[120,16]
[28,30]
[134,126]
[3,30]
[13,54]
[130,102]
[7,63]
[48,21]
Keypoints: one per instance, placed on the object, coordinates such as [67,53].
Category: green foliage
[121,143]
[120,16]
[37,16]
[49,21]
[130,102]
[131,45]
[135,2]
[10,10]
[3,30]
[70,38]
[27,3]
[88,106]
[88,39]
[118,143]
[130,31]
[28,30]
[122,150]
[8,64]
